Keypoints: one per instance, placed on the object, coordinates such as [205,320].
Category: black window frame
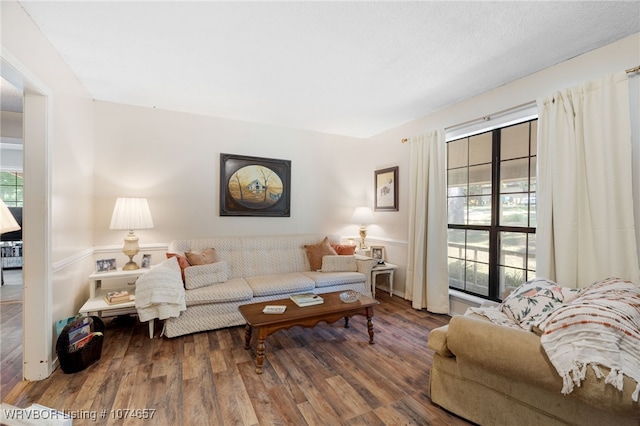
[495,229]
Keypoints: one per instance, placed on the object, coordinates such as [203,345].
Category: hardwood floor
[10,330]
[327,375]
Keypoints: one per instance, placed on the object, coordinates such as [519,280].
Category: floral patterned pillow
[530,303]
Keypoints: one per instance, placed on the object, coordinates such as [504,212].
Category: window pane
[510,278]
[480,210]
[480,180]
[480,149]
[514,141]
[534,137]
[457,153]
[514,176]
[513,249]
[457,210]
[7,178]
[456,243]
[531,261]
[456,273]
[478,246]
[457,182]
[514,210]
[477,278]
[532,177]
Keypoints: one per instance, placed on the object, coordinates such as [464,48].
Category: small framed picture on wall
[386,187]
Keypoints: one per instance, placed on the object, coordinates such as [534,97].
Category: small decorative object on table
[306,299]
[274,309]
[350,296]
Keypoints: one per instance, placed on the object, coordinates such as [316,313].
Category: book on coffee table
[306,299]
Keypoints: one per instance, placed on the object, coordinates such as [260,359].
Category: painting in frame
[386,187]
[254,186]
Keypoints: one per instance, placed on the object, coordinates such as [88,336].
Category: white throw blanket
[600,327]
[160,292]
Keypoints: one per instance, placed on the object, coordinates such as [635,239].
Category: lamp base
[130,266]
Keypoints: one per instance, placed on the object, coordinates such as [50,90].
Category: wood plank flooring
[327,375]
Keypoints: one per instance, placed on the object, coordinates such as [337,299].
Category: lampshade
[131,213]
[362,215]
[7,221]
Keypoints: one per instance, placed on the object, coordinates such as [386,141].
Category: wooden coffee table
[330,311]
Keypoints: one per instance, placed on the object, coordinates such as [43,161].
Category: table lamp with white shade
[131,214]
[363,216]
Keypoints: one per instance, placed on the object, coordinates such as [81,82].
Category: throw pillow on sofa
[206,257]
[182,262]
[344,249]
[530,303]
[315,252]
[204,275]
[339,263]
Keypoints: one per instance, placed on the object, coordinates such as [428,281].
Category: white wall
[58,184]
[615,57]
[173,159]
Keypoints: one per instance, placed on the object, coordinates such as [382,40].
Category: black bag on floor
[80,344]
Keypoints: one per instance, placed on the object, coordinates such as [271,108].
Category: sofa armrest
[438,341]
[365,265]
[503,350]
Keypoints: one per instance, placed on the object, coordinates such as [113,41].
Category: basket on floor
[73,360]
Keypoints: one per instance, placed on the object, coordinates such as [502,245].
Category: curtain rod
[485,118]
[405,140]
[632,70]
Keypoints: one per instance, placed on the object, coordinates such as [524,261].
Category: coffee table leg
[247,337]
[346,322]
[370,325]
[262,336]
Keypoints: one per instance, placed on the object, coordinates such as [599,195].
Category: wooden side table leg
[370,325]
[247,337]
[346,322]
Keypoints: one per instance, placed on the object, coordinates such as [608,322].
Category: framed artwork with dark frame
[386,186]
[254,186]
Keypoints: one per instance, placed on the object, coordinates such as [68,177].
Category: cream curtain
[585,229]
[427,283]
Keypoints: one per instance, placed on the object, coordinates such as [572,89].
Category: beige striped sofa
[255,269]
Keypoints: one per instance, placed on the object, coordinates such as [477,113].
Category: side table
[387,269]
[96,302]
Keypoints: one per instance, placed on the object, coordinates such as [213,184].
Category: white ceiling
[354,68]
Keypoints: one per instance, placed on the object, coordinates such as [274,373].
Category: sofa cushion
[231,291]
[203,275]
[344,249]
[267,285]
[206,257]
[315,252]
[339,264]
[327,279]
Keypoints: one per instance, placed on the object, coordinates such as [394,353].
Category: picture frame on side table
[146,261]
[254,186]
[386,190]
[377,252]
[105,265]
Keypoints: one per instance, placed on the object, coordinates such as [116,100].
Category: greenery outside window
[11,188]
[491,197]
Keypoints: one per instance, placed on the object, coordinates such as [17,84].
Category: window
[491,196]
[11,188]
